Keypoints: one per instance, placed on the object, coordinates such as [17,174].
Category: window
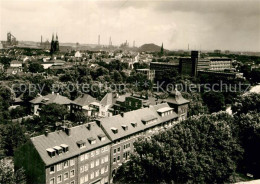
[97,162]
[81,169]
[86,156]
[59,179]
[92,164]
[97,173]
[102,171]
[106,179]
[82,180]
[73,182]
[52,169]
[66,164]
[52,181]
[118,149]
[102,160]
[106,148]
[114,151]
[92,175]
[72,173]
[114,160]
[106,158]
[86,167]
[59,167]
[66,176]
[86,178]
[97,152]
[72,162]
[102,149]
[82,157]
[92,154]
[118,158]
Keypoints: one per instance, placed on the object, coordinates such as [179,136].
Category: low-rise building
[16,64]
[39,101]
[150,74]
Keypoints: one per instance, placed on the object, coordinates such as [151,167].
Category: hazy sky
[211,24]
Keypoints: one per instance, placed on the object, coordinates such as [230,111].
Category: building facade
[90,153]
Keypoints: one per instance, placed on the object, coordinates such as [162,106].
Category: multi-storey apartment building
[90,153]
[74,155]
[125,128]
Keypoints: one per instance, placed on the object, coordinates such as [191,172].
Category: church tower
[162,50]
[57,44]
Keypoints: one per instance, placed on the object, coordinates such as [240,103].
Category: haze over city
[231,25]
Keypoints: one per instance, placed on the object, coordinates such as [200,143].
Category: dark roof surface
[134,117]
[84,100]
[79,134]
[51,98]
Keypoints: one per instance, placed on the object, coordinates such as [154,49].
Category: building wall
[28,158]
[133,103]
[68,166]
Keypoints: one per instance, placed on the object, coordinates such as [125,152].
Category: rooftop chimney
[46,133]
[88,126]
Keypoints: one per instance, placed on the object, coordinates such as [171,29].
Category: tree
[36,68]
[196,105]
[249,134]
[52,113]
[246,103]
[214,100]
[7,174]
[201,149]
[11,136]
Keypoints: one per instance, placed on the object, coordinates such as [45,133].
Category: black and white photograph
[129,92]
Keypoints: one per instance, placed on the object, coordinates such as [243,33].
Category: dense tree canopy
[198,150]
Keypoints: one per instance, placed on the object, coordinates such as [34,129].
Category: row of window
[93,153]
[127,145]
[93,174]
[96,163]
[66,176]
[116,159]
[61,166]
[85,179]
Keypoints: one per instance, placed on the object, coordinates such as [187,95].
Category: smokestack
[98,39]
[41,39]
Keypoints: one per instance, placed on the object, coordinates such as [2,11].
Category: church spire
[57,37]
[162,50]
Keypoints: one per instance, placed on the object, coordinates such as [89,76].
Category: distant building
[82,103]
[179,104]
[16,64]
[51,63]
[150,74]
[188,65]
[104,107]
[55,47]
[224,75]
[215,64]
[40,101]
[160,67]
[217,51]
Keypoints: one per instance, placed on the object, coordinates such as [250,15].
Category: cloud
[213,24]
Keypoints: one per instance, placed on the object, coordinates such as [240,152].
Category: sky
[201,24]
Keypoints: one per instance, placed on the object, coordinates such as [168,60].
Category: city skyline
[206,25]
